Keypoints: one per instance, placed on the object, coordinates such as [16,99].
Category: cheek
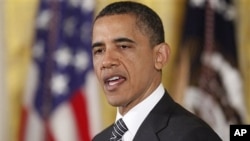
[98,76]
[96,65]
[96,62]
[143,67]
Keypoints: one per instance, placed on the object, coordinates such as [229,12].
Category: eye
[123,46]
[98,51]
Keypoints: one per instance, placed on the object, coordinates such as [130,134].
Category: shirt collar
[134,117]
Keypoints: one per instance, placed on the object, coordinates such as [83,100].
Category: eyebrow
[117,40]
[123,39]
[97,44]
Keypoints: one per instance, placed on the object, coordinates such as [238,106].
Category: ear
[161,55]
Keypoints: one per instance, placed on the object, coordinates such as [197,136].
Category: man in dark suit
[129,52]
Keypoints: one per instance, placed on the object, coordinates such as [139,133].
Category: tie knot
[119,129]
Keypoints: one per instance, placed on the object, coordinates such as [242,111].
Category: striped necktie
[119,129]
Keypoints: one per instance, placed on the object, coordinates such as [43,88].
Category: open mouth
[111,83]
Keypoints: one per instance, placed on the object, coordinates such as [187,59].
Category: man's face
[124,61]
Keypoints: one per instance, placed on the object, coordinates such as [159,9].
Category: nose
[110,59]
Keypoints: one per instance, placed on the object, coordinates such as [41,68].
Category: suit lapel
[156,120]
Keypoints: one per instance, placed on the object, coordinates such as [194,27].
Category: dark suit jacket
[168,121]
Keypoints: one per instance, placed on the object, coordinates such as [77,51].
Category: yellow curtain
[19,22]
[243,24]
[4,132]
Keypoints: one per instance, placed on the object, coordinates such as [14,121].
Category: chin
[114,102]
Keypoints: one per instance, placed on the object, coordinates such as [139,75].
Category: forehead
[115,25]
[108,28]
[121,18]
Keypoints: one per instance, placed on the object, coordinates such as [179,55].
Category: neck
[124,109]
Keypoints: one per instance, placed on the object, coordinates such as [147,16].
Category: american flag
[61,88]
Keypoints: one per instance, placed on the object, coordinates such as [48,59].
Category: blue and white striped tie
[119,129]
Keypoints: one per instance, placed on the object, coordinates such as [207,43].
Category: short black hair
[147,20]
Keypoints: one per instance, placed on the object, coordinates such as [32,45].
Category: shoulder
[180,124]
[189,127]
[103,135]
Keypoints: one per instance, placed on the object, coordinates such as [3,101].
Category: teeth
[114,78]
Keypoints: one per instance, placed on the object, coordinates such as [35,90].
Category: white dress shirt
[134,118]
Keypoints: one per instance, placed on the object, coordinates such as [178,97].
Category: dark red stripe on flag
[23,124]
[48,134]
[79,107]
